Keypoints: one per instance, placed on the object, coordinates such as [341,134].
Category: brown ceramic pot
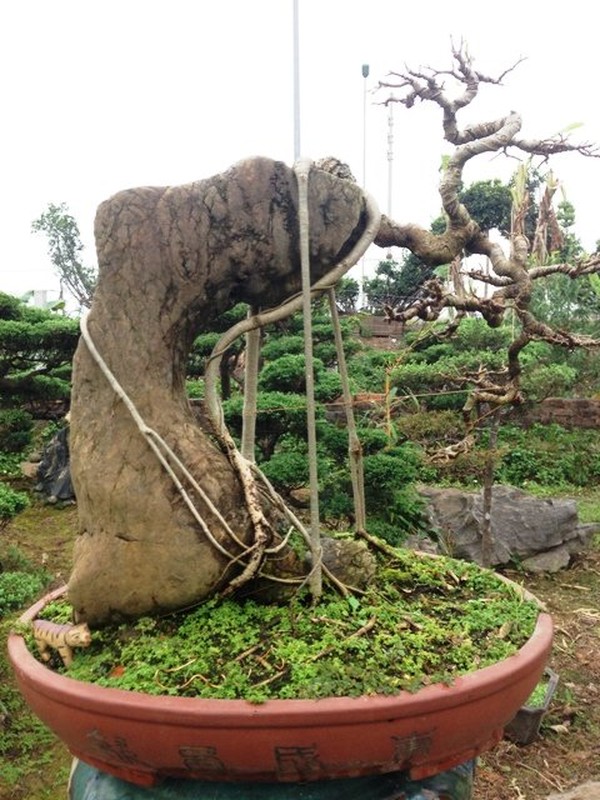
[142,738]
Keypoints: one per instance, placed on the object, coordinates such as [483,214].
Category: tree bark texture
[171,259]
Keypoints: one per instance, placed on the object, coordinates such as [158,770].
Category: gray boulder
[522,526]
[53,472]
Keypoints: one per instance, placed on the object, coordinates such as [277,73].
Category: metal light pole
[390,157]
[365,74]
[296,47]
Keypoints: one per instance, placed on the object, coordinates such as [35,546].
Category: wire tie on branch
[260,319]
[354,445]
[302,170]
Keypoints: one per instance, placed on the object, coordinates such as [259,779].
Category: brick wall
[570,412]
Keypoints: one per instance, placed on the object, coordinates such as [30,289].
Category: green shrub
[276,347]
[386,473]
[467,469]
[10,307]
[326,352]
[287,470]
[550,455]
[278,414]
[367,369]
[332,439]
[201,349]
[287,374]
[194,389]
[11,503]
[435,386]
[440,383]
[50,430]
[328,386]
[15,430]
[389,490]
[475,334]
[372,440]
[18,588]
[336,501]
[548,380]
[10,464]
[14,560]
[435,428]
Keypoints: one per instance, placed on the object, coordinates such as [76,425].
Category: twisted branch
[513,276]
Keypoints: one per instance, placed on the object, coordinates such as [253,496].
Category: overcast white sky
[102,96]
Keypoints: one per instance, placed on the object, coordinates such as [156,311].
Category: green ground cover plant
[392,637]
[537,698]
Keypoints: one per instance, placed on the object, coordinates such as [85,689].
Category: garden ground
[34,765]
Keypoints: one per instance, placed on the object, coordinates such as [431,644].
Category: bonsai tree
[171,260]
[513,277]
[170,512]
[65,249]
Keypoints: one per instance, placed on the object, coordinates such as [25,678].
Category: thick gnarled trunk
[171,259]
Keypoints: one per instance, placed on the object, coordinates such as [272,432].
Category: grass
[34,764]
[588,505]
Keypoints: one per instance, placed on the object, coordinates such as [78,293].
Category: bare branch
[513,275]
[588,266]
[494,136]
[487,277]
[554,145]
[433,250]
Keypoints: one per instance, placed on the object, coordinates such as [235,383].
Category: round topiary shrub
[15,430]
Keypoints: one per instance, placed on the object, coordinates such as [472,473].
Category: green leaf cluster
[549,455]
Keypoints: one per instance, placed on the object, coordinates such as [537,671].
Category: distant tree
[36,349]
[64,249]
[396,284]
[346,295]
[489,203]
[559,300]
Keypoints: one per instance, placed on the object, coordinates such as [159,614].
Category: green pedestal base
[88,783]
